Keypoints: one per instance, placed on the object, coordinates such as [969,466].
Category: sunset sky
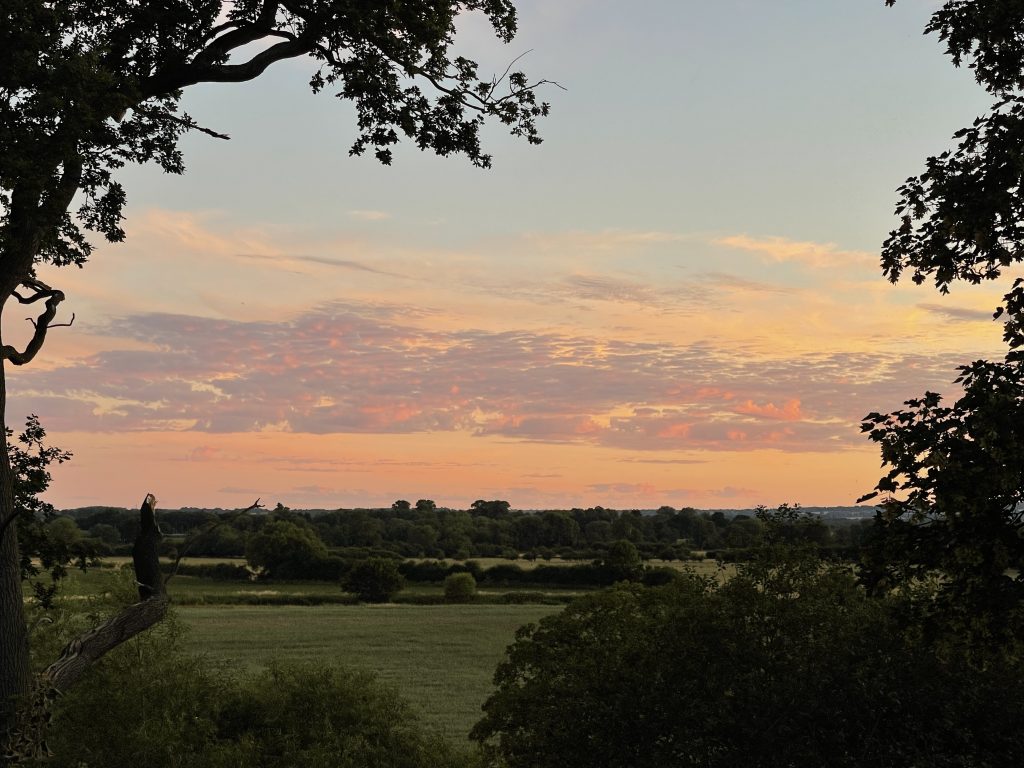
[675,299]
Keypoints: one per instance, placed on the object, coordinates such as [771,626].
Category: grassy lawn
[439,657]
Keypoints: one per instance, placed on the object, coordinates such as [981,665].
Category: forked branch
[52,299]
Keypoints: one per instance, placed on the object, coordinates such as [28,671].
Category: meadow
[439,657]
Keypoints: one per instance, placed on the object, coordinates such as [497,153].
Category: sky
[675,299]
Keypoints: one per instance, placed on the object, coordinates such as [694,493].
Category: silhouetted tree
[954,486]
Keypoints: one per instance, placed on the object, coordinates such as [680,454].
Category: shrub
[459,587]
[375,580]
[788,664]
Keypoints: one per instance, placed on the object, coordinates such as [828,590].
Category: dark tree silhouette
[954,486]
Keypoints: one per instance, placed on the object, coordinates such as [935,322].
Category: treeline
[487,529]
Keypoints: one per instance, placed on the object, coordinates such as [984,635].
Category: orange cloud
[790,410]
[675,430]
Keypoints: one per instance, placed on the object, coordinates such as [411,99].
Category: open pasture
[441,658]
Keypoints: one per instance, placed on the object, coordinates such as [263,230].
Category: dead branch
[87,648]
[214,525]
[40,325]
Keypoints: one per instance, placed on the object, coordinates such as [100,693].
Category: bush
[459,588]
[318,716]
[375,580]
[152,705]
[788,664]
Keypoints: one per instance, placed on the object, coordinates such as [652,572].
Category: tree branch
[239,35]
[214,526]
[191,74]
[43,323]
[56,203]
[84,650]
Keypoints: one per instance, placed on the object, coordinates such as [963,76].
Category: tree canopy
[788,664]
[953,489]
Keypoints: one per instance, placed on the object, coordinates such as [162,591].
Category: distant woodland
[487,529]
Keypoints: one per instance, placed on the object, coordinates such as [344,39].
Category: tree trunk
[14,659]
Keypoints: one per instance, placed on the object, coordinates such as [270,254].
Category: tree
[86,88]
[459,587]
[622,558]
[953,492]
[284,549]
[493,508]
[788,664]
[375,580]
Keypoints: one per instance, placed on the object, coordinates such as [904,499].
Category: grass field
[440,657]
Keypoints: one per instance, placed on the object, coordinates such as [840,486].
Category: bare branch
[495,82]
[475,101]
[41,324]
[84,650]
[214,526]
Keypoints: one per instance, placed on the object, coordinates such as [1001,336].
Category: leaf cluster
[954,505]
[961,218]
[40,552]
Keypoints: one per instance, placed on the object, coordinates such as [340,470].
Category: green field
[440,657]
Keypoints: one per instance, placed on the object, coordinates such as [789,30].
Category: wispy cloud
[781,249]
[351,264]
[367,215]
[957,314]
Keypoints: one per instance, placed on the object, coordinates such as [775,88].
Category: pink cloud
[360,369]
[789,411]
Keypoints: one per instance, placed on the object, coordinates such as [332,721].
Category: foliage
[284,549]
[576,534]
[375,580]
[961,219]
[459,587]
[788,664]
[69,68]
[959,473]
[623,560]
[954,485]
[40,550]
